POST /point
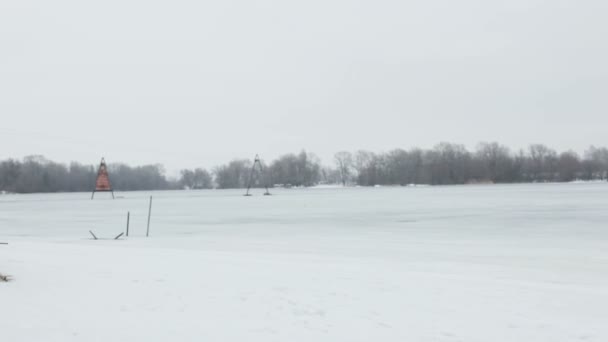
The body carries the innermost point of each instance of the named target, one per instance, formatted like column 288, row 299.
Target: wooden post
column 128, row 219
column 149, row 214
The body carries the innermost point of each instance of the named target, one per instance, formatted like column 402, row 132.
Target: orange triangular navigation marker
column 102, row 184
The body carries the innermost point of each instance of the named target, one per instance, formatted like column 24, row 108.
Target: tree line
column 446, row 163
column 38, row 174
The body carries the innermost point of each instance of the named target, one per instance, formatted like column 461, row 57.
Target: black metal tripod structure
column 261, row 167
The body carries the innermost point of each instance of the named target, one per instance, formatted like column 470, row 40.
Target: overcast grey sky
column 197, row 83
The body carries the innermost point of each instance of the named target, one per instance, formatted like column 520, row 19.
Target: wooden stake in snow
column 149, row 214
column 128, row 219
column 3, row 277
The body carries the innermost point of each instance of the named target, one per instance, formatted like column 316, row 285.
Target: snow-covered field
column 460, row 263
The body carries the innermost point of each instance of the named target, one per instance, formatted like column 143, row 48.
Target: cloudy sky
column 196, row 83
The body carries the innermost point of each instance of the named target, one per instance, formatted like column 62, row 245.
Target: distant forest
column 446, row 163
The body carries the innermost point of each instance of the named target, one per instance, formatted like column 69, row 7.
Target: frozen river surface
column 458, row 263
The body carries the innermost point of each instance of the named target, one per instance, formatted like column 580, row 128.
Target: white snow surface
column 456, row 263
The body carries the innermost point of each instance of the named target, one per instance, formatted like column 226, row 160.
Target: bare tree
column 568, row 166
column 450, row 164
column 187, row 179
column 233, row 175
column 597, row 162
column 495, row 161
column 303, row 169
column 202, row 179
column 542, row 162
column 344, row 164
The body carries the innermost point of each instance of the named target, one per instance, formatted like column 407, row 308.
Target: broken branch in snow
column 5, row 278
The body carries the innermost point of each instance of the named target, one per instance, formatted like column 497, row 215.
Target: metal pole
column 264, row 179
column 251, row 176
column 128, row 219
column 149, row 214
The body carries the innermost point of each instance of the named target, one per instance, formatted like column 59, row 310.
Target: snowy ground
column 462, row 263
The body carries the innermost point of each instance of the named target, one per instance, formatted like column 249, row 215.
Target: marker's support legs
column 261, row 167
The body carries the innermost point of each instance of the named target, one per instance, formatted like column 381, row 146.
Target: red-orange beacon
column 102, row 184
